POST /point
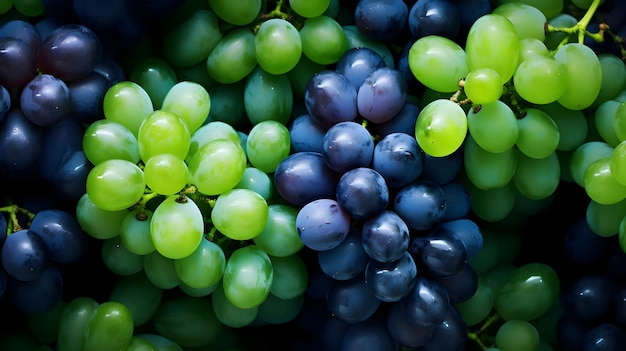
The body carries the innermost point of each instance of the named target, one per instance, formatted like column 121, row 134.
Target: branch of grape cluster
column 580, row 28
column 13, row 224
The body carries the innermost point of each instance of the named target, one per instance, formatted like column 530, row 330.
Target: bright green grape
column 190, row 101
column 233, row 58
column 166, row 174
column 280, row 236
column 238, row 13
column 275, row 310
column 585, row 155
column 607, row 122
column 475, row 309
column 604, row 220
column 488, row 170
column 483, row 86
column 536, row 178
column 528, row 20
column 72, row 322
column 323, row 40
column 600, row 184
column 135, row 231
column 98, row 223
column 115, row 185
column 438, row 62
column 177, row 227
column 217, row 166
column 538, row 134
column 572, row 125
column 163, row 132
column 309, row 8
column 268, row 97
column 139, row 295
column 258, row 181
column 517, row 335
column 208, row 132
column 160, row 270
column 532, row 47
column 582, row 65
column 156, row 76
column 268, row 144
column 248, row 277
column 229, row 314
column 278, row 46
column 204, row 267
column 549, row 8
column 540, row 79
column 492, row 42
column 528, row 293
column 618, row 111
column 493, row 126
column 290, row 277
column 105, row 139
column 617, row 163
column 613, row 78
column 191, row 41
column 441, row 127
column 109, row 328
column 118, row 259
column 233, row 205
column 128, row 104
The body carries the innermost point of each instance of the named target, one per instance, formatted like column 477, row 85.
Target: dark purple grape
column 582, row 246
column 70, row 52
column 5, row 102
column 20, row 145
column 362, row 192
column 60, row 141
column 391, row 281
column 399, row 159
column 381, row 20
column 382, row 95
column 368, row 335
column 421, row 204
column 23, row 255
column 22, row 29
column 442, row 170
column 458, row 201
column 385, row 237
column 403, row 330
column 70, row 182
column 470, row 11
column 347, row 260
column 330, row 98
column 460, row 285
column 427, row 303
column 468, row 232
column 347, row 145
column 434, row 17
column 110, row 69
column 605, row 337
column 61, row 234
column 589, row 299
column 306, row 134
column 403, row 122
column 87, row 96
column 18, row 62
column 450, row 334
column 351, row 300
column 322, row 224
column 440, row 253
column 39, row 295
column 45, row 100
column 358, row 63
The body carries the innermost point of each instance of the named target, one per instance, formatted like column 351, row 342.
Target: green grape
column 600, row 184
column 617, row 163
column 323, row 40
column 30, row 8
column 357, row 39
column 528, row 293
column 115, row 185
column 135, row 231
column 217, row 166
column 208, row 132
column 45, row 325
column 280, row 236
column 488, row 170
column 476, row 309
column 163, row 132
column 105, row 139
column 622, row 234
column 538, row 134
column 98, row 223
column 227, row 105
column 572, row 125
column 492, row 205
column 585, row 155
column 189, row 322
column 550, row 8
column 537, row 178
column 275, row 310
column 540, row 79
column 229, row 314
column 290, row 277
column 528, row 20
column 72, row 323
column 604, row 220
column 530, row 48
column 278, row 46
column 492, row 42
column 161, row 342
column 438, row 62
column 562, row 20
column 156, row 76
column 483, row 86
column 268, row 144
column 190, row 101
column 441, row 127
column 617, row 110
column 613, row 78
column 238, row 13
column 177, row 227
column 166, row 174
column 248, row 277
column 204, row 267
column 109, row 328
column 160, row 270
column 233, row 205
column 194, row 292
column 5, row 6
column 258, row 181
column 268, row 97
column 517, row 335
column 140, row 344
column 581, row 65
column 309, row 8
column 233, row 58
column 493, row 126
column 139, row 295
column 118, row 259
column 128, row 104
column 191, row 41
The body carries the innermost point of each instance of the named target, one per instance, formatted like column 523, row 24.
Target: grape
column 258, row 181
column 600, row 184
column 238, row 46
column 330, row 98
column 242, row 13
column 139, row 295
column 135, row 231
column 391, row 281
column 493, row 126
column 382, row 95
column 202, row 268
column 166, row 174
column 267, row 96
column 176, row 227
column 538, row 134
column 161, row 270
column 362, row 192
column 248, row 277
column 19, row 62
column 189, row 101
column 118, row 259
column 190, row 42
column 127, row 103
column 347, row 260
column 488, row 170
column 434, row 17
column 441, row 128
column 381, row 20
column 385, row 237
column 517, row 334
column 424, row 195
column 229, row 314
column 61, row 234
column 574, row 57
column 358, row 63
column 115, row 184
column 351, row 300
column 240, row 203
column 308, row 8
column 97, row 222
column 210, row 131
column 290, row 277
column 45, row 100
column 439, row 253
column 528, row 20
column 24, row 256
column 267, row 145
column 398, row 159
column 156, row 76
column 322, row 224
column 483, row 86
column 427, row 303
column 217, row 166
column 278, row 46
column 540, row 80
column 439, row 63
column 323, row 40
column 537, row 178
column 403, row 330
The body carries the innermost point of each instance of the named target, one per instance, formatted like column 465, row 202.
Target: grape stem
column 13, row 225
column 580, row 28
column 478, row 336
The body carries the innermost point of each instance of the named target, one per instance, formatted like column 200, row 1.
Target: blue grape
column 369, row 335
column 110, row 69
column 582, row 246
column 347, row 260
column 322, row 224
column 304, row 176
column 470, row 11
column 351, row 300
column 570, row 332
column 330, row 98
column 18, row 62
column 403, row 330
column 21, row 29
column 439, row 253
column 427, row 303
column 70, row 182
column 5, row 102
column 399, row 159
column 45, row 100
column 420, row 204
column 39, row 295
column 62, row 236
column 434, row 17
column 450, row 334
column 305, row 134
column 403, row 122
column 60, row 141
column 589, row 298
column 391, row 281
column 362, row 192
column 23, row 255
column 461, row 285
column 332, row 332
column 382, row 95
column 468, row 232
column 357, row 63
column 381, row 20
column 442, row 170
column 458, row 201
column 86, row 97
column 603, row 337
column 619, row 303
column 347, row 145
column 385, row 237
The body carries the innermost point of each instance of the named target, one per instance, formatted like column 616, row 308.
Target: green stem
column 13, row 225
column 580, row 28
